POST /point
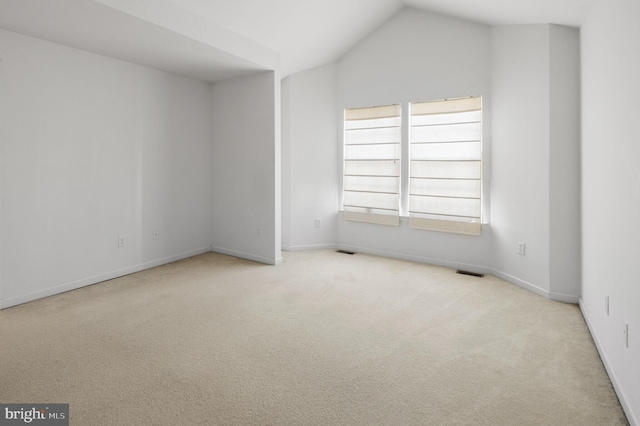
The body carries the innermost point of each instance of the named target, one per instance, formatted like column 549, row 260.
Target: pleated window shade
column 371, row 180
column 446, row 165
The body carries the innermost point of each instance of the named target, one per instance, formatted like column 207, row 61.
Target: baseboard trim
column 62, row 288
column 521, row 283
column 247, row 256
column 311, row 247
column 419, row 259
column 564, row 298
column 631, row 417
column 559, row 297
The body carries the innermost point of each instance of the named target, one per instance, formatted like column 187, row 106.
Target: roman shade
column 446, row 165
column 371, row 177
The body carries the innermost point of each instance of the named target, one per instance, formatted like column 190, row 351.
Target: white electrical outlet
column 156, row 235
column 122, row 241
column 258, row 232
column 317, row 223
column 626, row 335
column 521, row 248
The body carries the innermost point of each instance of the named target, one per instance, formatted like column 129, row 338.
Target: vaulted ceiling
column 216, row 39
column 311, row 32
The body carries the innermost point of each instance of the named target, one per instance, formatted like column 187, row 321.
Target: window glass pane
column 372, row 164
column 368, row 199
column 372, row 136
column 447, row 151
column 446, row 165
column 443, row 187
column 458, row 117
column 446, row 133
column 446, row 206
column 372, row 152
column 446, row 169
column 372, row 168
column 371, row 184
column 372, row 123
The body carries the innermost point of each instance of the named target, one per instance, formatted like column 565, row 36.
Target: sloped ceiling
column 216, row 39
column 165, row 37
column 509, row 12
column 308, row 33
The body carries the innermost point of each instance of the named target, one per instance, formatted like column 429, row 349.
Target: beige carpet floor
column 323, row 339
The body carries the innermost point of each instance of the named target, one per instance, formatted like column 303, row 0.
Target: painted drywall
column 535, row 158
column 160, row 35
column 611, row 190
column 564, row 163
column 529, row 78
column 285, row 154
column 179, row 20
column 419, row 56
column 93, row 148
column 520, row 155
column 246, row 217
column 310, row 160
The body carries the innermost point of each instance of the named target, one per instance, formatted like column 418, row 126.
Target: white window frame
column 420, row 183
column 445, row 170
column 372, row 156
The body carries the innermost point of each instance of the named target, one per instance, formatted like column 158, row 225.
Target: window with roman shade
column 371, row 177
column 445, row 174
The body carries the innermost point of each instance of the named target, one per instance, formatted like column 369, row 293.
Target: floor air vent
column 473, row 274
column 345, row 252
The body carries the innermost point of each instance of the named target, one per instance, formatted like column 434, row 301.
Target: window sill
column 405, row 219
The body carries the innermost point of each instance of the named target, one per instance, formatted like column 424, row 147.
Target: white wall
column 285, row 153
column 529, row 79
column 564, row 163
column 246, row 167
column 418, row 56
column 92, row 148
column 611, row 190
column 520, row 154
column 535, row 168
column 310, row 159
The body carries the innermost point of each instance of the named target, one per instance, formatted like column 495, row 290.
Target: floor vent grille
column 473, row 274
column 345, row 252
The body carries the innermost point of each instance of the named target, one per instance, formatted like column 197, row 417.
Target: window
column 371, row 181
column 445, row 165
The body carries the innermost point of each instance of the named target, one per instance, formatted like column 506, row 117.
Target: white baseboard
column 631, row 417
column 521, row 283
column 565, row 298
column 247, row 256
column 311, row 247
column 419, row 259
column 559, row 297
column 61, row 288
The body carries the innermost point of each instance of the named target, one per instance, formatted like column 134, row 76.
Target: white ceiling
column 509, row 12
column 216, row 39
column 162, row 38
column 308, row 33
